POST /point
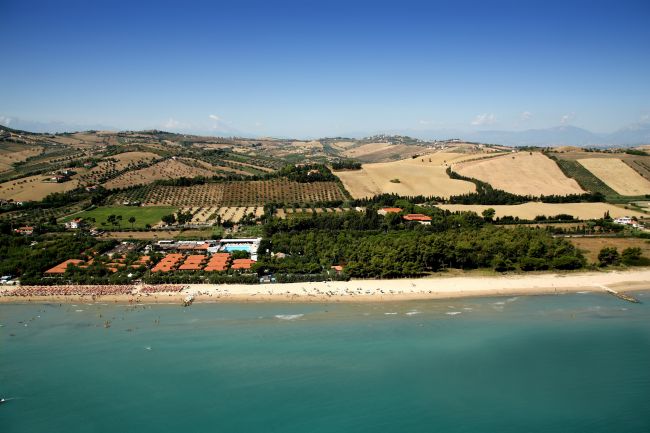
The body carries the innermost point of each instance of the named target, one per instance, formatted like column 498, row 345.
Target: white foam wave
column 412, row 313
column 453, row 313
column 288, row 316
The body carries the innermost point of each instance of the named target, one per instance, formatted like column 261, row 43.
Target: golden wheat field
column 424, row 175
column 524, row 173
column 530, row 210
column 617, row 175
column 33, row 188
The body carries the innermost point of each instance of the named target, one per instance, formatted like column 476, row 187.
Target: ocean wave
column 453, row 313
column 390, row 314
column 288, row 316
column 412, row 313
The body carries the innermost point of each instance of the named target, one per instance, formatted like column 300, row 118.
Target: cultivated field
column 241, row 193
column 168, row 169
column 143, row 215
column 209, row 215
column 530, row 210
column 524, row 173
column 592, row 246
column 375, row 152
column 424, row 175
column 111, row 166
column 33, row 188
column 617, row 175
column 11, row 153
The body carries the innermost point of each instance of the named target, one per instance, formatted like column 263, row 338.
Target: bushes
column 609, row 256
column 346, row 165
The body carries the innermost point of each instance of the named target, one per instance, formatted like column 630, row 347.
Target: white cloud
column 645, row 118
column 484, row 119
column 215, row 117
column 567, row 118
column 5, row 120
column 172, row 124
column 525, row 115
column 424, row 122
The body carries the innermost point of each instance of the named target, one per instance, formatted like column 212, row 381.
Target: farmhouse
column 626, row 220
column 74, row 224
column 26, row 230
column 387, row 210
column 422, row 219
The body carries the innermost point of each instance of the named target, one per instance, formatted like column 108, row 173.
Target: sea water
column 570, row 363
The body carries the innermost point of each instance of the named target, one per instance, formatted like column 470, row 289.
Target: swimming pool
column 230, row 248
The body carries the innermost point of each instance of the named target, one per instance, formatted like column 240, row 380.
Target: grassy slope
column 143, row 215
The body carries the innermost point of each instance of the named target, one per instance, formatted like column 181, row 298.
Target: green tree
column 169, row 219
column 488, row 214
column 132, row 220
column 631, row 255
column 609, row 256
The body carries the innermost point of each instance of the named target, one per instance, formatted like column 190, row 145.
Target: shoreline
column 436, row 287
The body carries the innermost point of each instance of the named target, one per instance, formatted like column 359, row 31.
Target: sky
column 326, row 68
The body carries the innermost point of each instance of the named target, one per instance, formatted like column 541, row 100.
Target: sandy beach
column 437, row 287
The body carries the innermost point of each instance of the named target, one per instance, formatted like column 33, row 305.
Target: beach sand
column 436, row 287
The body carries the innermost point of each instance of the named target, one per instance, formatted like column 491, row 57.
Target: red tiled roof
column 242, row 264
column 190, row 267
column 391, row 209
column 417, row 217
column 61, row 267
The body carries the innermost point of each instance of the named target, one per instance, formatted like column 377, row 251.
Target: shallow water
column 570, row 363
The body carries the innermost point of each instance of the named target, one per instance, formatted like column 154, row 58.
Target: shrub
column 609, row 256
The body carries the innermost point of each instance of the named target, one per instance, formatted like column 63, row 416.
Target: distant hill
column 565, row 135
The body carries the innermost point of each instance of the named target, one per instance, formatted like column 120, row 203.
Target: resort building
column 61, row 267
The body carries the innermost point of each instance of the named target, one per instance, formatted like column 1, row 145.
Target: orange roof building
column 242, row 264
column 193, row 263
column 168, row 263
column 218, row 262
column 387, row 210
column 61, row 267
column 422, row 219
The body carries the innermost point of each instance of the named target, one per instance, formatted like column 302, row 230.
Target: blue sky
column 316, row 68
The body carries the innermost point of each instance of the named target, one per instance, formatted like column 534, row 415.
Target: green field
column 143, row 215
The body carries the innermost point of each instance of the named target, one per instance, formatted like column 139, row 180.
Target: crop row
column 240, row 193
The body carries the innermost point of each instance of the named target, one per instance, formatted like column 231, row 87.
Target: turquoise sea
column 571, row 363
